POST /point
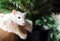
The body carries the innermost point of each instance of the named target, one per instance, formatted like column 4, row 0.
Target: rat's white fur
column 14, row 18
column 6, row 20
column 6, row 27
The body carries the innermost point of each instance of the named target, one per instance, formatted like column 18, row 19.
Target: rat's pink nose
column 23, row 23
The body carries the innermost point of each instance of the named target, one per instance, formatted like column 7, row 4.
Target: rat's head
column 19, row 17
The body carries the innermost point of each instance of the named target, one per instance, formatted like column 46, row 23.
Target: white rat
column 16, row 17
column 10, row 22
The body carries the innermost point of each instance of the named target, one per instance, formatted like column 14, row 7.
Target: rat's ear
column 24, row 14
column 14, row 12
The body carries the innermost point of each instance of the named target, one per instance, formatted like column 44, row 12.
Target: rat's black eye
column 19, row 17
